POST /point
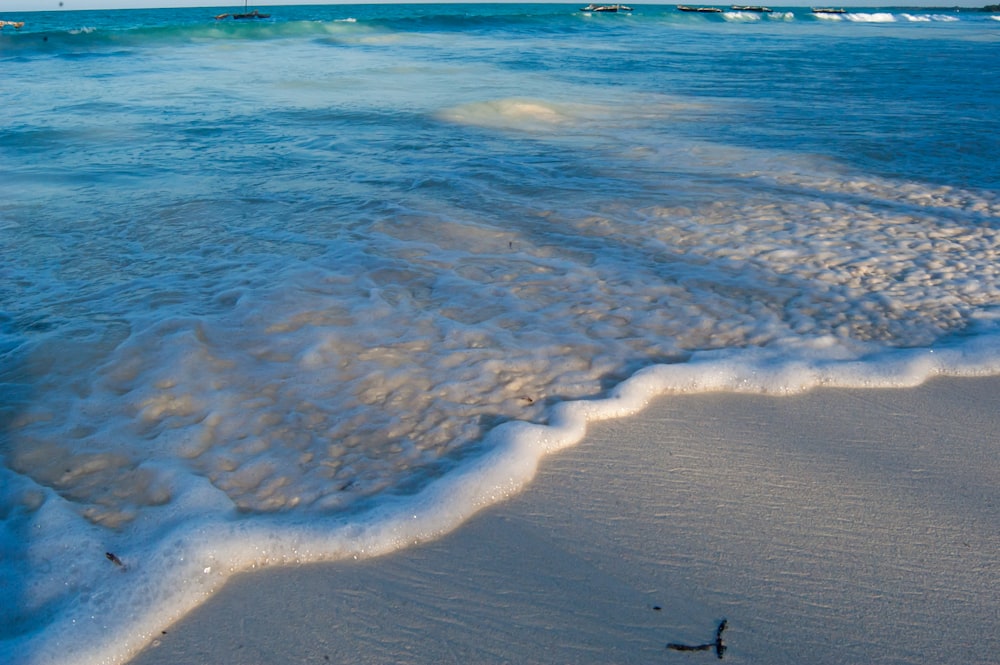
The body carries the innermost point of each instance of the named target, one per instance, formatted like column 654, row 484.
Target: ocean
column 325, row 284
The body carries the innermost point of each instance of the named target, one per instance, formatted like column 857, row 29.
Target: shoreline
column 834, row 526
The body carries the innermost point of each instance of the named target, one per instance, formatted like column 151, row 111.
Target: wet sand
column 836, row 526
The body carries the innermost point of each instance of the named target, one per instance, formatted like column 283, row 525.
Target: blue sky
column 42, row 5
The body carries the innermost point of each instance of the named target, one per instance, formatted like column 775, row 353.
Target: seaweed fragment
column 717, row 645
column 114, row 559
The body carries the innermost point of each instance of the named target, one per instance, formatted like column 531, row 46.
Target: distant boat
column 253, row 14
column 750, row 8
column 606, row 8
column 828, row 10
column 245, row 15
column 702, row 10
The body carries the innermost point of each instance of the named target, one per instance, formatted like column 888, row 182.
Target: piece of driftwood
column 717, row 645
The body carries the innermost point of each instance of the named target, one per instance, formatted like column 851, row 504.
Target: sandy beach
column 836, row 526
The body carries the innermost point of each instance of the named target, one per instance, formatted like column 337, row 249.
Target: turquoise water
column 306, row 287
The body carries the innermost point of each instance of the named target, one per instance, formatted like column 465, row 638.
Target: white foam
column 877, row 17
column 741, row 17
column 928, row 18
column 115, row 610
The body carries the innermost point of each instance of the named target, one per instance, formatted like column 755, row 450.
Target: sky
column 7, row 6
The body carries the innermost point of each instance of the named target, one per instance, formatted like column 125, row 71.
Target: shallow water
column 270, row 289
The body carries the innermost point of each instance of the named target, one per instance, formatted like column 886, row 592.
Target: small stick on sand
column 719, row 647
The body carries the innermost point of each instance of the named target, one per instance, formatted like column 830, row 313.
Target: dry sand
column 838, row 526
